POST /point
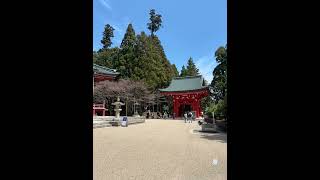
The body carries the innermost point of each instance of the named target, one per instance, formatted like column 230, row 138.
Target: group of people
column 151, row 115
column 188, row 117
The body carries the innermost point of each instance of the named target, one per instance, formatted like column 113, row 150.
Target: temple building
column 101, row 73
column 186, row 93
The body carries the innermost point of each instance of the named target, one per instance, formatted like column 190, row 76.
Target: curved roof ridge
column 104, row 70
column 188, row 83
column 188, row 77
column 103, row 67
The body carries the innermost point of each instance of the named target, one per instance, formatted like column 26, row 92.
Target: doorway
column 184, row 108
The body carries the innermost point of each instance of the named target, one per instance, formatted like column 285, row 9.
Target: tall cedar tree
column 140, row 57
column 152, row 65
column 127, row 56
column 107, row 35
column 142, row 50
column 192, row 70
column 155, row 21
column 166, row 68
column 183, row 72
column 106, row 57
column 219, row 81
column 175, row 70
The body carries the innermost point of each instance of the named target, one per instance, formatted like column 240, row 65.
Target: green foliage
column 107, row 35
column 127, row 55
column 219, row 82
column 106, row 57
column 219, row 85
column 155, row 21
column 183, row 72
column 152, row 66
column 175, row 70
column 191, row 69
column 205, row 102
column 211, row 108
column 219, row 109
column 139, row 57
column 129, row 40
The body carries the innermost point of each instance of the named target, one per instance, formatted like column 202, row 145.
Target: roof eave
column 184, row 91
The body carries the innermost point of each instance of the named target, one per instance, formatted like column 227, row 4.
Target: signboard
column 124, row 122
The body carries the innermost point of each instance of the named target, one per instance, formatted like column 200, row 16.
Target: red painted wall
column 192, row 98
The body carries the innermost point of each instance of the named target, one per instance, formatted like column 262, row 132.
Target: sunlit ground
column 158, row 149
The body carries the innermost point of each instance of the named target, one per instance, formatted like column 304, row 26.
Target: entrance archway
column 184, row 108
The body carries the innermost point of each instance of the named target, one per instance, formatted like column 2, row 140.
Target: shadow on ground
column 220, row 137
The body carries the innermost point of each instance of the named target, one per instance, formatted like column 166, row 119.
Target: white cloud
column 117, row 28
column 106, row 4
column 206, row 64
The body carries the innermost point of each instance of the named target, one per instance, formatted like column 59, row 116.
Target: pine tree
column 155, row 21
column 106, row 57
column 142, row 57
column 175, row 71
column 166, row 71
column 127, row 55
column 183, row 72
column 219, row 81
column 152, row 64
column 192, row 70
column 107, row 35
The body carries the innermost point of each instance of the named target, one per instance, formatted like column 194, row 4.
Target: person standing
column 190, row 117
column 185, row 117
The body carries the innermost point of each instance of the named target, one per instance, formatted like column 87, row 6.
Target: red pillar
column 200, row 109
column 176, row 108
column 195, row 108
column 195, row 105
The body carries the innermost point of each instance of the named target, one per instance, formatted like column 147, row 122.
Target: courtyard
column 159, row 149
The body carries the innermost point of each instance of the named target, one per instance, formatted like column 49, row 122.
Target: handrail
column 98, row 105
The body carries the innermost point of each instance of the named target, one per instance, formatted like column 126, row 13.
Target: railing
column 98, row 105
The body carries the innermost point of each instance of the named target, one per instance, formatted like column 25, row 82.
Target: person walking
column 190, row 117
column 185, row 117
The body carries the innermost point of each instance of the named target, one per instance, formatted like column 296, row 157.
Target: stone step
column 101, row 125
column 107, row 122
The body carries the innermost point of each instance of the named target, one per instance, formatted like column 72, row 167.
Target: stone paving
column 158, row 149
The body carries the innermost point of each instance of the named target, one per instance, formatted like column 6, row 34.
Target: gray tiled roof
column 104, row 70
column 188, row 83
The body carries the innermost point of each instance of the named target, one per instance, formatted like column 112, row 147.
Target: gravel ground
column 158, row 149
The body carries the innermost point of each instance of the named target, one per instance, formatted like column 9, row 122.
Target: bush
column 211, row 108
column 219, row 109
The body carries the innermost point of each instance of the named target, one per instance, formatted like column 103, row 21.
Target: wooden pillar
column 200, row 110
column 176, row 108
column 174, row 104
column 195, row 106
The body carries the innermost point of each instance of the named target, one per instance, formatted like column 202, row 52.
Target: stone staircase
column 101, row 121
column 101, row 124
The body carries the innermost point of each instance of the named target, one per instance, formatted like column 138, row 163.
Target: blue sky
column 190, row 28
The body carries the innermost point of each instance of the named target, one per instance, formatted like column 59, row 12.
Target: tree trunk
column 126, row 106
